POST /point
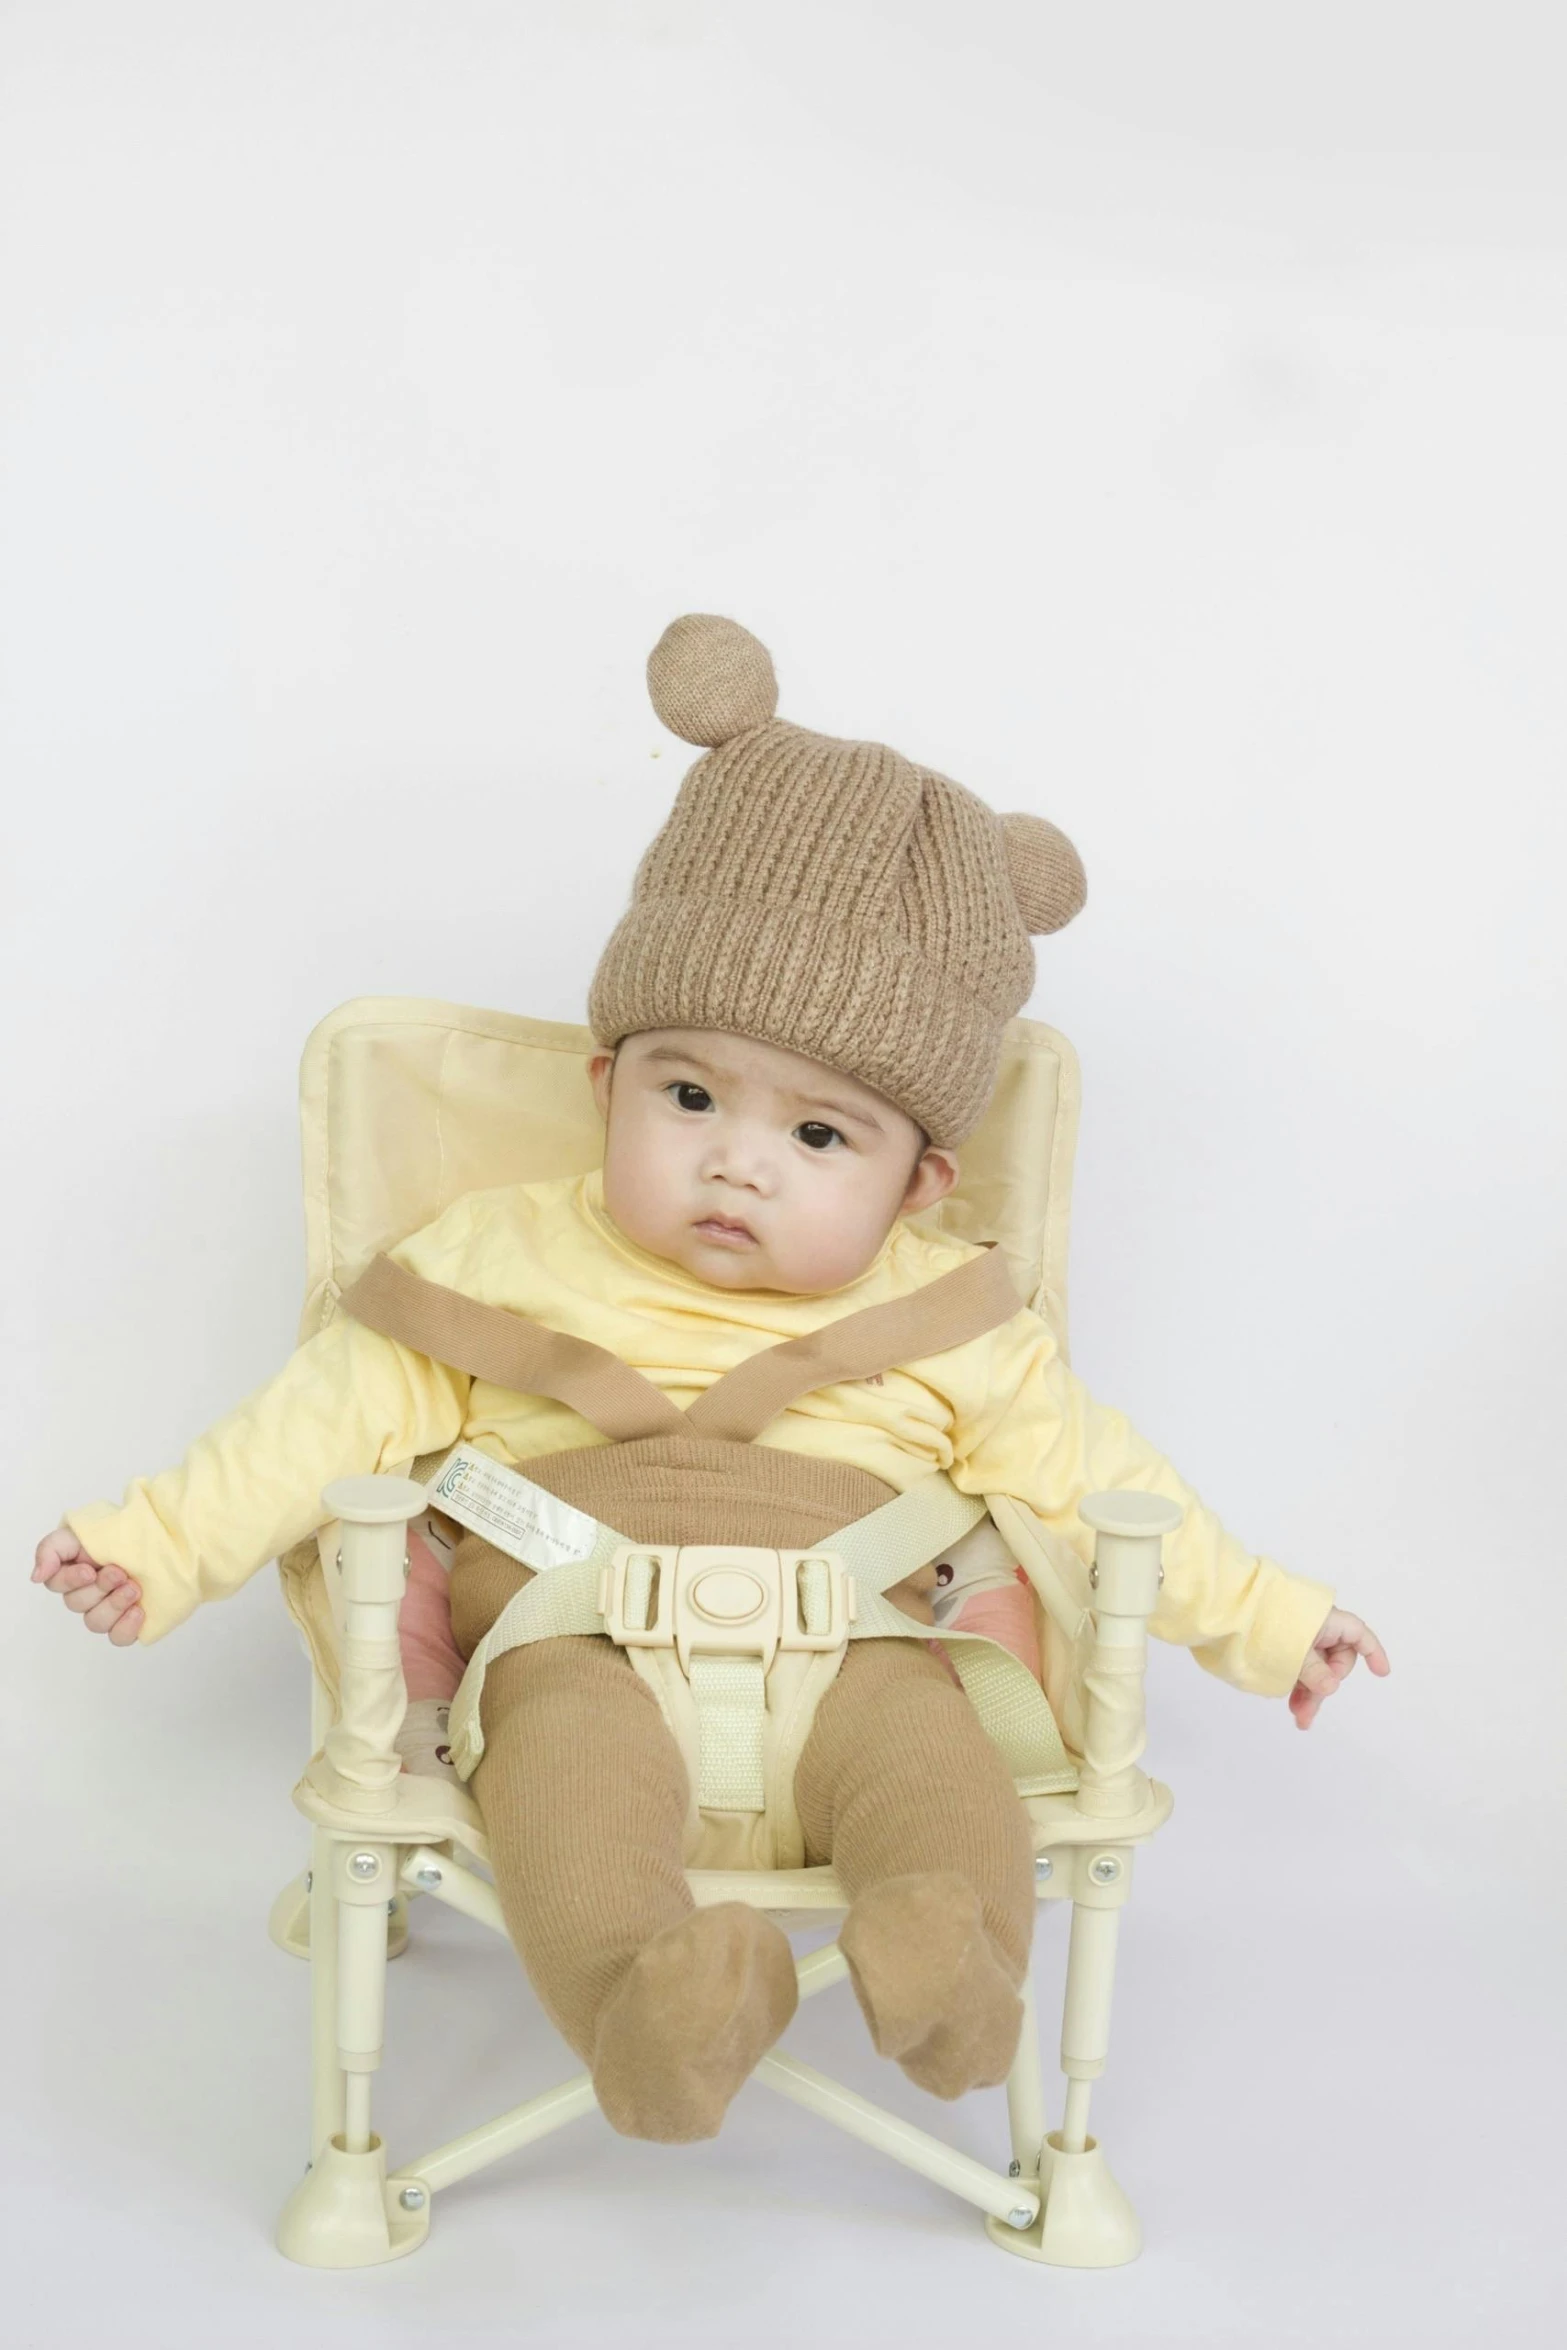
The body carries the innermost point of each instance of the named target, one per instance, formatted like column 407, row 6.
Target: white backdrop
column 1150, row 416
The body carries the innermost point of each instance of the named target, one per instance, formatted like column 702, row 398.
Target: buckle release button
column 728, row 1595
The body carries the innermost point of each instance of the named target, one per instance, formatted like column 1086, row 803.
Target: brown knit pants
column 584, row 1793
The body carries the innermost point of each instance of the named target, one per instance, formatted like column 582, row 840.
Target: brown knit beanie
column 828, row 896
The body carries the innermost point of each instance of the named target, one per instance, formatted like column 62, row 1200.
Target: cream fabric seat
column 406, row 1105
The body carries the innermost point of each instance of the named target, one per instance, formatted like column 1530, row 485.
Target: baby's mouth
column 726, row 1232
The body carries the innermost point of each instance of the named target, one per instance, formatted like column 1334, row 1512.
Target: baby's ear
column 599, row 1069
column 1046, row 872
column 935, row 1174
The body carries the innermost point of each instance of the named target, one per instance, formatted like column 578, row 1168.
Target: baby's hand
column 1332, row 1654
column 104, row 1596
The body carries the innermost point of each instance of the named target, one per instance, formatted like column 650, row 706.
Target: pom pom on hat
column 710, row 680
column 1046, row 873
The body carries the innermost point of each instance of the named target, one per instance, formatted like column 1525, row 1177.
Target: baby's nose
column 741, row 1160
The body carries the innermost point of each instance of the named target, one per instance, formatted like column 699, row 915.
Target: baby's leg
column 584, row 1794
column 902, row 1791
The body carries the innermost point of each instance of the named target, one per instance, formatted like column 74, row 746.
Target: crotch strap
column 513, row 1352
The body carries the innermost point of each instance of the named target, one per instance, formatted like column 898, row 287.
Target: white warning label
column 509, row 1510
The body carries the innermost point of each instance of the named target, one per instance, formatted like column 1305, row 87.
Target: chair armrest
column 1129, row 1529
column 359, row 1750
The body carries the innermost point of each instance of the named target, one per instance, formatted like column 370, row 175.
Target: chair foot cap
column 345, row 2214
column 1084, row 2219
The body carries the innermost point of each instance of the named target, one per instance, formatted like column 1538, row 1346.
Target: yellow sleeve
column 1039, row 1435
column 347, row 1403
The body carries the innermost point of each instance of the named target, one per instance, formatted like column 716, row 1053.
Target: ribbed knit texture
column 946, row 1804
column 710, row 1489
column 901, row 1789
column 686, row 1489
column 584, row 1795
column 828, row 896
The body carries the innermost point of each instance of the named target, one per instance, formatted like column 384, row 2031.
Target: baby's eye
column 689, row 1097
column 817, row 1135
column 943, row 1576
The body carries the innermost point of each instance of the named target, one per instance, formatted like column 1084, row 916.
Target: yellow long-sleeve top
column 1001, row 1414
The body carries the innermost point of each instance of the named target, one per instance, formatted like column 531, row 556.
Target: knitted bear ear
column 710, row 679
column 1046, row 872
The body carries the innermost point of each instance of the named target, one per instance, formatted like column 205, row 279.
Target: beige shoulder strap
column 963, row 1304
column 511, row 1351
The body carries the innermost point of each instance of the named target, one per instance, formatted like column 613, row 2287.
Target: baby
column 800, row 1018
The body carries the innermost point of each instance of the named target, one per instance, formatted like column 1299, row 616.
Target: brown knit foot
column 699, row 2006
column 926, row 1975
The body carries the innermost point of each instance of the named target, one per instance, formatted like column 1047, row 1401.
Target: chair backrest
column 407, row 1103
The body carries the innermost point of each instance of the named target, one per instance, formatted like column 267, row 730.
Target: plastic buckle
column 649, row 1573
column 841, row 1609
column 721, row 1599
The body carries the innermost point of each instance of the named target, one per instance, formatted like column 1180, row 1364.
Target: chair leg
column 288, row 1922
column 326, row 2079
column 1025, row 2093
column 342, row 2214
column 1085, row 2221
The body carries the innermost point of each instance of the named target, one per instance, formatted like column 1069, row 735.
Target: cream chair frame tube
column 344, row 2213
column 1085, row 2220
column 1055, row 2203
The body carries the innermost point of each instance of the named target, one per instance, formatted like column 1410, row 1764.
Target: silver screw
column 310, row 1879
column 1021, row 2218
column 1044, row 1866
column 1105, row 1869
column 412, row 2199
column 1014, row 2168
column 364, row 1865
column 428, row 1877
column 391, row 1907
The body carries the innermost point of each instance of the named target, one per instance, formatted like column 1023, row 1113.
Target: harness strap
column 919, row 1525
column 879, row 1550
column 730, row 1696
column 1013, row 1710
column 916, row 1526
column 957, row 1306
column 511, row 1351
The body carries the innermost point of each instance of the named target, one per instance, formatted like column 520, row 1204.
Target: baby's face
column 752, row 1167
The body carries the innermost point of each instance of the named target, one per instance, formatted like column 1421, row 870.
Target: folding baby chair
column 407, row 1105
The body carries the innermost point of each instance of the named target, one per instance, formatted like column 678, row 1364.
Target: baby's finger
column 108, row 1612
column 123, row 1634
column 1332, row 1665
column 53, row 1552
column 1354, row 1632
column 74, row 1575
column 89, row 1594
